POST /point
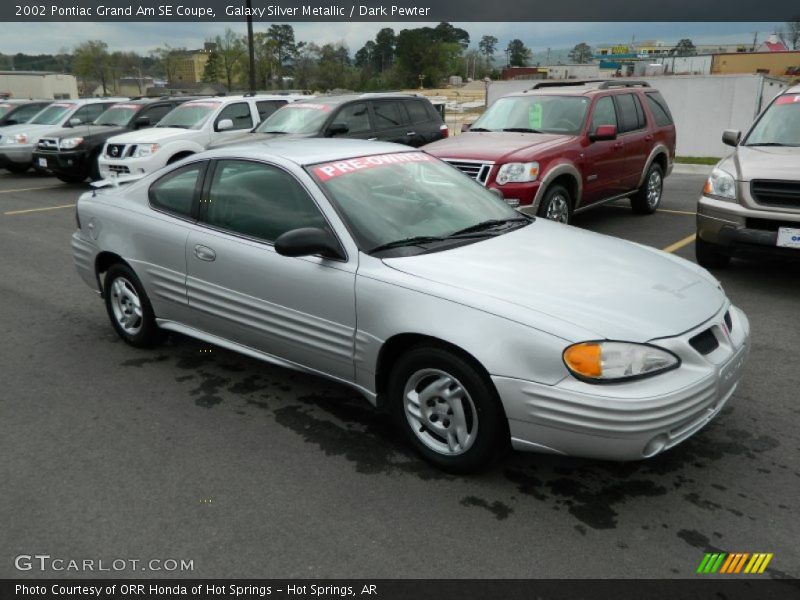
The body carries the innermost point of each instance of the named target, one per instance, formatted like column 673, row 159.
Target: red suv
column 563, row 147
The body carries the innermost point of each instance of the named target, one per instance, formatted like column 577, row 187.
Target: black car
column 71, row 154
column 13, row 112
column 401, row 118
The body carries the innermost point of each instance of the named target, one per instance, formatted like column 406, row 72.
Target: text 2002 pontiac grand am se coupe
column 388, row 270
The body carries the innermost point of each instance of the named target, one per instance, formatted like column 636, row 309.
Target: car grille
column 705, row 342
column 119, row 169
column 47, row 145
column 478, row 170
column 776, row 193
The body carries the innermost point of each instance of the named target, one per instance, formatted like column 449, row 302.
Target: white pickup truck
column 187, row 129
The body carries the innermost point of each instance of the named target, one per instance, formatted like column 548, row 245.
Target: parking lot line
column 661, row 210
column 33, row 189
column 680, row 243
column 30, row 210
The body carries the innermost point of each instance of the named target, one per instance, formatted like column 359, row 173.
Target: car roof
column 239, row 98
column 307, row 151
column 144, row 100
column 342, row 98
column 21, row 101
column 590, row 87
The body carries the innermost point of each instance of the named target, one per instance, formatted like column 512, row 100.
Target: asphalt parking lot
column 193, row 452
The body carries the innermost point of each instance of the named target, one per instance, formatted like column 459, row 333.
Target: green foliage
column 581, row 53
column 518, row 54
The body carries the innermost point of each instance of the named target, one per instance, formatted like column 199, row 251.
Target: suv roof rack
column 610, row 83
column 562, row 83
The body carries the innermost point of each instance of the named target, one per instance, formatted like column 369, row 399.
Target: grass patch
column 697, row 160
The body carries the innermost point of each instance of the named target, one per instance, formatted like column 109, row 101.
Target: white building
column 38, row 84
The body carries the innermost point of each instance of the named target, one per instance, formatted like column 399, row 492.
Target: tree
column 166, row 58
column 231, row 50
column 92, row 61
column 581, row 53
column 283, row 45
column 385, row 46
column 488, row 45
column 212, row 68
column 684, row 47
column 790, row 34
column 422, row 52
column 447, row 34
column 518, row 54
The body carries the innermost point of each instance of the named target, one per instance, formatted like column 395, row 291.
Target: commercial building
column 776, row 64
column 37, row 84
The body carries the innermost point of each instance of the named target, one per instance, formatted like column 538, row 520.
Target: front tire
column 71, row 178
column 648, row 198
column 447, row 409
column 129, row 308
column 556, row 205
column 708, row 255
column 17, row 169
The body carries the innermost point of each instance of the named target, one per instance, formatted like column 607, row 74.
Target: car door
column 297, row 309
column 391, row 122
column 634, row 135
column 356, row 117
column 604, row 160
column 241, row 116
column 153, row 114
column 423, row 129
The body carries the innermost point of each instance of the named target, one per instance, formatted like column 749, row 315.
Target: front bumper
column 84, row 255
column 66, row 163
column 15, row 155
column 519, row 195
column 634, row 420
column 739, row 229
column 115, row 167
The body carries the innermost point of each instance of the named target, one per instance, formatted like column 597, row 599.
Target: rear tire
column 129, row 308
column 447, row 409
column 556, row 205
column 648, row 198
column 17, row 169
column 709, row 256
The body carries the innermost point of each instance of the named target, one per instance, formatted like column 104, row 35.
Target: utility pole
column 250, row 49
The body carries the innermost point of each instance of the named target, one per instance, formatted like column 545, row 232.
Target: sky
column 143, row 37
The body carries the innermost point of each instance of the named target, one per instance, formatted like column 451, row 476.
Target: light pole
column 250, row 49
column 486, row 82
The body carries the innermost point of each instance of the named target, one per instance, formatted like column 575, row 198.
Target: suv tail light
column 444, row 129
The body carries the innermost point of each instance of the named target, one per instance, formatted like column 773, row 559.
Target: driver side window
column 604, row 113
column 355, row 116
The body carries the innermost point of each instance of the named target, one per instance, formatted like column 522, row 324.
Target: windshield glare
column 390, row 197
column 296, row 118
column 780, row 125
column 191, row 115
column 548, row 114
column 119, row 114
column 52, row 114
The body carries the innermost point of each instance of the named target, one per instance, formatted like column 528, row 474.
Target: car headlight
column 70, row 143
column 610, row 362
column 20, row 138
column 721, row 184
column 517, row 173
column 143, row 150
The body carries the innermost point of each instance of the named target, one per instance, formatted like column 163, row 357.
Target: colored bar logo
column 734, row 563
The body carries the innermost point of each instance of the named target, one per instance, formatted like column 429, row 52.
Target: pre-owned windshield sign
column 343, row 167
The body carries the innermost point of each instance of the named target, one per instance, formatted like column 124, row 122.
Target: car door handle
column 617, row 145
column 205, row 253
column 411, row 133
column 371, row 139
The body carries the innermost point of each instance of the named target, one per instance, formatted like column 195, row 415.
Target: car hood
column 86, row 131
column 764, row 162
column 34, row 131
column 497, row 146
column 611, row 287
column 153, row 135
column 250, row 136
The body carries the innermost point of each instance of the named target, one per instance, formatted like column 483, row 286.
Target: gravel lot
column 192, row 452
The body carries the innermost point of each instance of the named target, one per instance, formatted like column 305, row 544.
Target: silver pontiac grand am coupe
column 385, row 269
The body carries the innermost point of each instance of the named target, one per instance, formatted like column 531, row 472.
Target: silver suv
column 751, row 201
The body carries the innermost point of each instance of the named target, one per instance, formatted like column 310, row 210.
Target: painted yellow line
column 50, row 187
column 680, row 243
column 661, row 210
column 764, row 564
column 31, row 210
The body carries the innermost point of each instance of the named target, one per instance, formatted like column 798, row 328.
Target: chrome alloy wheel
column 558, row 209
column 440, row 412
column 126, row 306
column 654, row 187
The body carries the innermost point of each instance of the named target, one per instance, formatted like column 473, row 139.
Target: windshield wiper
column 522, row 130
column 175, row 126
column 478, row 129
column 282, row 132
column 411, row 241
column 770, row 144
column 484, row 225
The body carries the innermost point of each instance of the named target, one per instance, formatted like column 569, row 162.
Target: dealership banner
column 287, row 11
column 406, row 589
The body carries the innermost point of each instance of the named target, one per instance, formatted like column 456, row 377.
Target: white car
column 186, row 130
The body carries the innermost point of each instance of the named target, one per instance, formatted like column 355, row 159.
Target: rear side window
column 417, row 111
column 604, row 113
column 355, row 116
column 267, row 107
column 388, row 115
column 174, row 193
column 239, row 113
column 659, row 109
column 631, row 117
column 23, row 113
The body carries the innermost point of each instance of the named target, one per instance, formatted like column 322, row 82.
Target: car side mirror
column 141, row 122
column 337, row 129
column 75, row 121
column 308, row 241
column 465, row 127
column 224, row 125
column 604, row 133
column 731, row 137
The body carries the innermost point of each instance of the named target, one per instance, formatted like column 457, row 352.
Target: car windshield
column 4, row 108
column 780, row 124
column 535, row 113
column 52, row 114
column 191, row 115
column 119, row 114
column 305, row 117
column 409, row 197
